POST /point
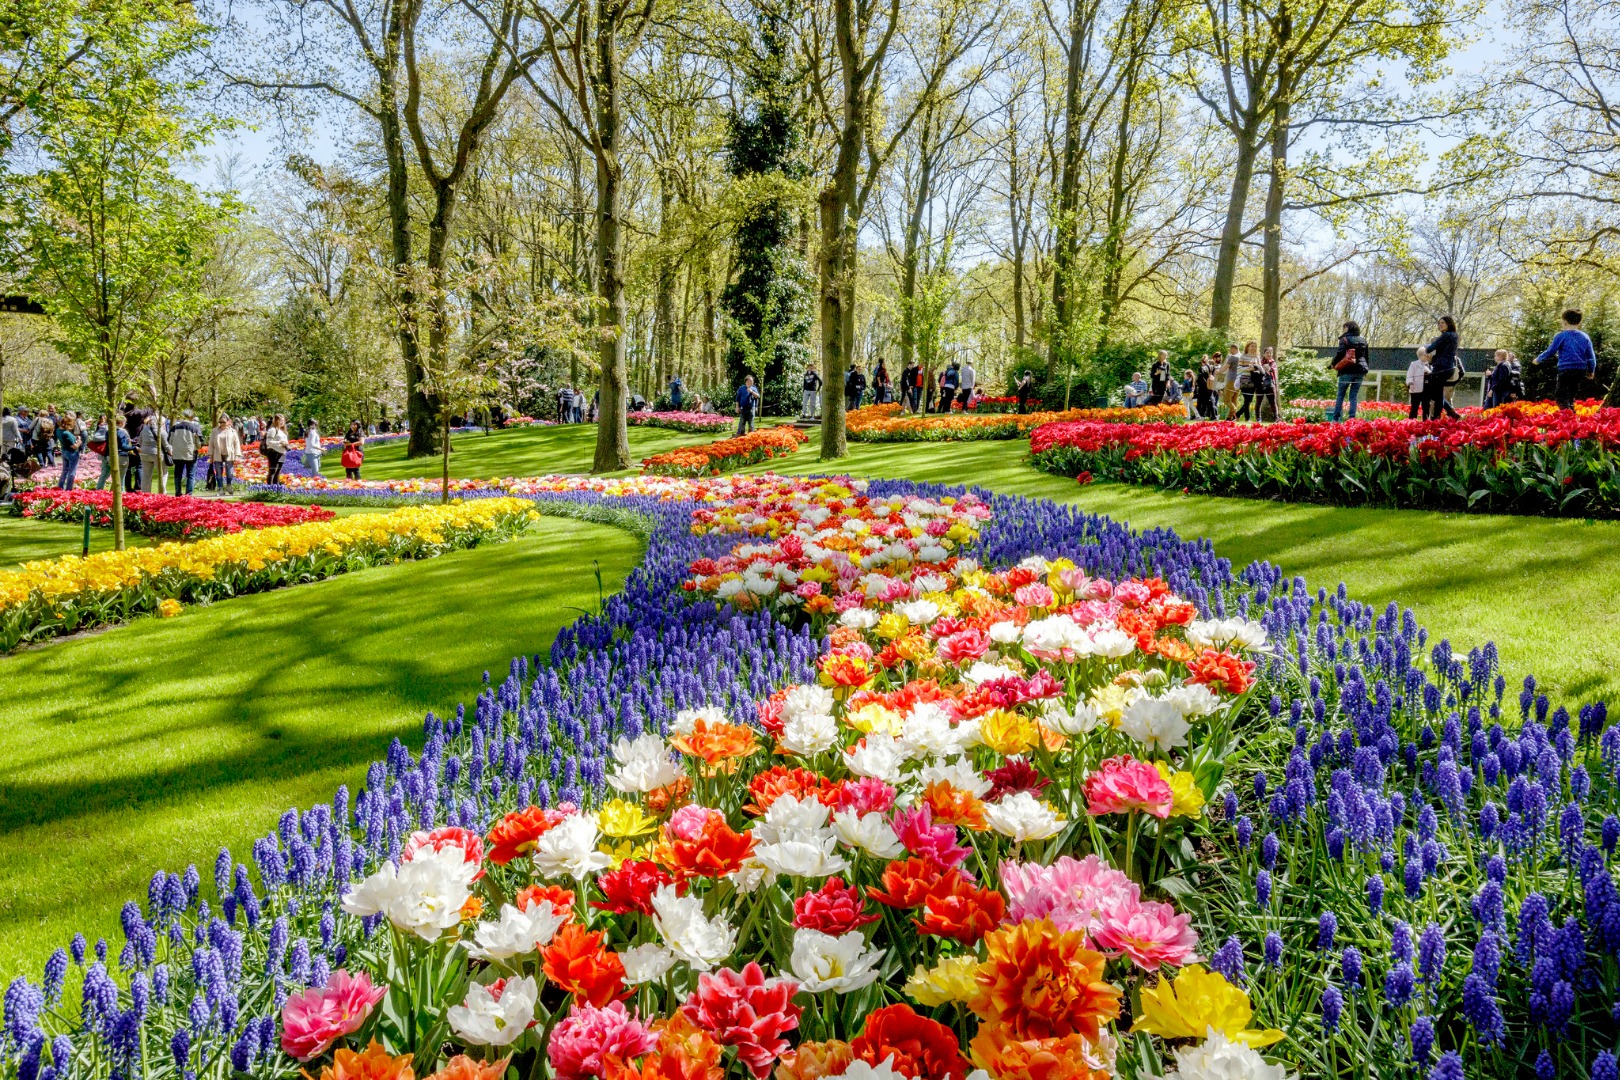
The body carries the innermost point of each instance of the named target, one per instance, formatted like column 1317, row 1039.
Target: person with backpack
column 1350, row 361
column 948, row 383
column 810, row 407
column 1577, row 361
column 185, row 440
column 1444, row 371
column 911, row 384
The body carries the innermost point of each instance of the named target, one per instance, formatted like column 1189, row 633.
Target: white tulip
column 839, row 963
column 495, row 1015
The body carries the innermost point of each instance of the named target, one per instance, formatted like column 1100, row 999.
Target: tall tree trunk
column 1015, row 215
column 114, row 465
column 1114, row 243
column 1226, row 256
column 1271, row 274
column 612, row 432
column 664, row 305
column 420, row 407
column 830, row 267
column 1067, row 240
column 711, row 351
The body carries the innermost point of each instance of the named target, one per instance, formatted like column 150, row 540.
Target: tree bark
column 664, row 303
column 830, row 265
column 612, row 430
column 1066, row 246
column 1226, row 256
column 1271, row 272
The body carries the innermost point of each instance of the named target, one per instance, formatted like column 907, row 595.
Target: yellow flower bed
column 58, row 596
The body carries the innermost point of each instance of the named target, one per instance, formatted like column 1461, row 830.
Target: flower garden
column 1508, row 460
column 886, row 423
column 879, row 779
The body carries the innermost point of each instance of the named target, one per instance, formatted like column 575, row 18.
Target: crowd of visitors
column 155, row 451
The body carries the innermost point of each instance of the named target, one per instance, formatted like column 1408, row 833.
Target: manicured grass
column 525, row 451
column 151, row 745
column 24, row 539
column 1547, row 591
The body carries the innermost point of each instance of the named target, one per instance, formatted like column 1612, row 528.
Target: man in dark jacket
column 854, row 388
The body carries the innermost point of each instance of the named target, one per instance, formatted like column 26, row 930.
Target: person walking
column 854, row 388
column 1230, row 371
column 353, row 454
column 45, row 435
column 120, row 439
column 948, row 382
column 1577, row 361
column 312, row 447
column 70, row 441
column 882, row 385
column 1205, row 376
column 911, row 383
column 134, row 421
column 1417, row 373
column 185, row 439
column 1270, row 387
column 967, row 383
column 677, row 393
column 1441, row 353
column 225, row 450
column 11, row 438
column 1350, row 362
column 1159, row 378
column 810, row 407
column 1024, row 390
column 152, row 448
column 747, row 405
column 273, row 444
column 1248, row 366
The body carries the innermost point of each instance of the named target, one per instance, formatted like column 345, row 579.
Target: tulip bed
column 1510, row 460
column 884, row 780
column 43, row 599
column 681, row 421
column 173, row 516
column 885, row 423
column 724, row 455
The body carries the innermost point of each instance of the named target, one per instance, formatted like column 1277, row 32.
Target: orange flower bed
column 712, row 459
column 884, row 423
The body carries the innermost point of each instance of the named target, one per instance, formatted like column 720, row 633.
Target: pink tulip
column 320, row 1016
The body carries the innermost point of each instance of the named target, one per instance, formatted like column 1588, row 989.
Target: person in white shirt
column 312, row 448
column 1416, row 371
column 969, row 378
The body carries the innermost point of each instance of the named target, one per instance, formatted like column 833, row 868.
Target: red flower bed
column 1507, row 461
column 173, row 516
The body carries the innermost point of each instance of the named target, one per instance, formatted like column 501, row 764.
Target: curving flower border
column 1400, row 871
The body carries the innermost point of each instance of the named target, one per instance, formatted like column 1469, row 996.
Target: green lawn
column 151, row 744
column 24, row 539
column 525, row 451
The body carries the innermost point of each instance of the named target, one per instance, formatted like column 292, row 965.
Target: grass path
column 151, row 744
column 525, row 451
